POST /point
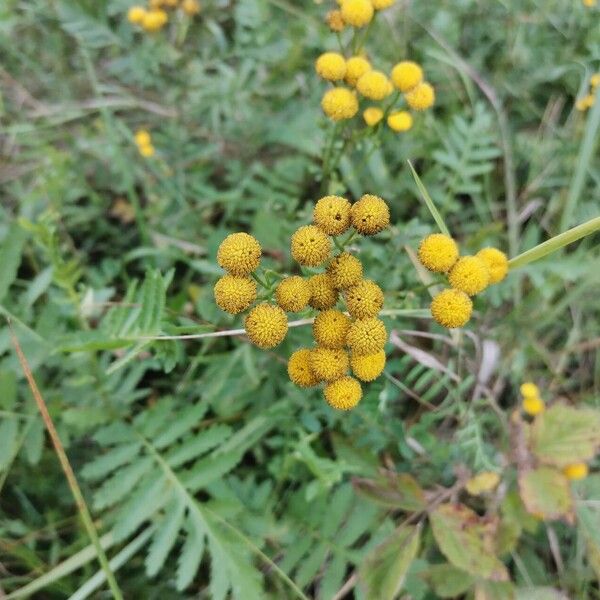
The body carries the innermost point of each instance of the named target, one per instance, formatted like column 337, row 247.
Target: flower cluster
column 355, row 13
column 155, row 16
column 343, row 341
column 467, row 275
column 589, row 99
column 143, row 141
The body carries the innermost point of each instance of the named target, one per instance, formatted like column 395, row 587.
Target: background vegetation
column 206, row 471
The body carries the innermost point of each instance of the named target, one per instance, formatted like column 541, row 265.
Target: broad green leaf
column 563, row 435
column 466, row 541
column 382, row 572
column 546, row 493
column 447, row 581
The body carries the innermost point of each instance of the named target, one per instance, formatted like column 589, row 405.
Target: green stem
column 555, row 243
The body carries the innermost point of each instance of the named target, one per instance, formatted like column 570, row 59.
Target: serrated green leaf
column 165, row 536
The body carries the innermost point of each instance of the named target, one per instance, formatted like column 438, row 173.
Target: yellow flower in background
column 590, row 3
column 292, row 294
column 366, row 336
column 239, row 254
column 364, row 300
column 332, row 215
column 329, row 363
column 144, row 143
column 368, row 367
column 310, row 246
column 345, row 270
column 529, row 390
column 266, row 325
column 533, row 405
column 335, row 20
column 372, row 115
column 330, row 328
column 589, row 100
column 407, row 75
column 370, row 215
column 581, row 105
column 374, row 85
column 356, row 67
column 147, row 151
column 496, row 261
column 595, row 80
column 382, row 4
column 339, row 104
column 470, row 275
column 154, row 20
column 576, row 471
column 438, row 252
column 331, row 66
column 451, row 308
column 322, row 293
column 400, row 121
column 191, row 7
column 136, row 14
column 421, row 97
column 357, row 13
column 344, row 393
column 299, row 370
column 234, row 294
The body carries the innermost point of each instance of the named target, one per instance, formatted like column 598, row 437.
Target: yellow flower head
column 154, row 20
column 595, row 80
column 142, row 138
column 470, row 274
column 367, row 336
column 322, row 293
column 368, row 367
column 331, row 66
column 533, row 405
column 136, row 14
column 191, row 7
column 407, row 75
column 335, row 20
column 239, row 254
column 438, row 252
column 234, row 294
column 589, row 100
column 365, row 299
column 370, row 215
column 382, row 4
column 529, row 390
column 372, row 115
column 310, row 246
column 576, row 471
column 331, row 328
column 451, row 308
column 356, row 67
column 357, row 13
column 332, row 215
column 421, row 97
column 496, row 261
column 293, row 294
column 299, row 369
column 590, row 3
column 374, row 85
column 400, row 121
column 339, row 104
column 343, row 394
column 345, row 270
column 581, row 104
column 328, row 363
column 266, row 325
column 146, row 151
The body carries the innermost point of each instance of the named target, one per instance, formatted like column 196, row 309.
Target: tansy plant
column 155, row 15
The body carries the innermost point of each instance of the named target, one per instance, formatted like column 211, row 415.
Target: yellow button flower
column 239, row 254
column 345, row 271
column 533, row 405
column 310, row 246
column 234, row 294
column 357, row 13
column 146, row 151
column 400, row 121
column 335, row 20
column 595, row 80
column 266, row 325
column 407, row 75
column 331, row 66
column 339, row 104
column 590, row 3
column 451, row 308
column 322, row 293
column 328, row 363
column 331, row 328
column 154, row 20
column 529, row 390
column 366, row 336
column 332, row 215
column 299, row 369
column 374, row 85
column 368, row 367
column 292, row 294
column 421, row 97
column 576, row 471
column 370, row 215
column 142, row 137
column 356, row 67
column 382, row 4
column 136, row 14
column 496, row 261
column 344, row 393
column 470, row 274
column 438, row 252
column 191, row 7
column 365, row 299
column 372, row 115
